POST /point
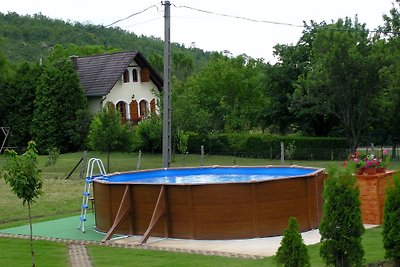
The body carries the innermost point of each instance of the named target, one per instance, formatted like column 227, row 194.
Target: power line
column 275, row 22
column 242, row 18
column 132, row 15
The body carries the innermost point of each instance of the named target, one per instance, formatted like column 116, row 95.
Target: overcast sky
column 207, row 30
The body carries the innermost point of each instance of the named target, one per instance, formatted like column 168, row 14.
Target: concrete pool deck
column 246, row 248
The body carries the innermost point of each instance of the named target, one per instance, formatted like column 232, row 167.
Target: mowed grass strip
column 111, row 256
column 16, row 252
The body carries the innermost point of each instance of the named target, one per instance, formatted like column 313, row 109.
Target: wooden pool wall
column 212, row 211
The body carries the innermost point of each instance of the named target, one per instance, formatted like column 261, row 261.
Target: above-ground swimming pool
column 209, row 202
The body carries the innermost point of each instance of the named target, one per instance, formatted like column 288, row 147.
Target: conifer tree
column 19, row 95
column 293, row 251
column 61, row 111
column 391, row 222
column 341, row 226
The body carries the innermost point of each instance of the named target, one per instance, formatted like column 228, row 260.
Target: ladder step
column 86, row 191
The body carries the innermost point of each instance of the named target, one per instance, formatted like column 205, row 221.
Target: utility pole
column 166, row 150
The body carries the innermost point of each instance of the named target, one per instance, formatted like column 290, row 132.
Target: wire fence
column 279, row 152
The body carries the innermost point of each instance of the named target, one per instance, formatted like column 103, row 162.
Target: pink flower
column 355, row 160
column 369, row 163
column 385, row 152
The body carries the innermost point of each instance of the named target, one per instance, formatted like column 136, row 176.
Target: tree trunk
column 31, row 234
column 108, row 161
column 394, row 150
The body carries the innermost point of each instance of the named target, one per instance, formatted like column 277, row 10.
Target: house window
column 126, row 76
column 145, row 75
column 134, row 75
column 143, row 108
column 121, row 107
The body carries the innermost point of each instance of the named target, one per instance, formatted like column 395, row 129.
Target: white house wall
column 127, row 92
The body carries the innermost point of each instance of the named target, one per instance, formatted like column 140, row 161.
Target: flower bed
column 371, row 164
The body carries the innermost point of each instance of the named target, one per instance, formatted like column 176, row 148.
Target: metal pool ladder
column 86, row 191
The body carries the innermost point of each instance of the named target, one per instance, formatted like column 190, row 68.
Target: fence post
column 138, row 162
column 83, row 164
column 282, row 153
column 202, row 156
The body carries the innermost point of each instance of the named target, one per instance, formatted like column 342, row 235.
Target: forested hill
column 29, row 38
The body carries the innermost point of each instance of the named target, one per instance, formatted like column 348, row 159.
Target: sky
column 251, row 27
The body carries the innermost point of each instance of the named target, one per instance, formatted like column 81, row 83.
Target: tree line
column 340, row 79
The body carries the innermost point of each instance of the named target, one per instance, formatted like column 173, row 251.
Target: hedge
column 258, row 145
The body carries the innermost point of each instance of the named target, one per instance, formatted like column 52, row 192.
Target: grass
column 125, row 257
column 16, row 252
column 63, row 198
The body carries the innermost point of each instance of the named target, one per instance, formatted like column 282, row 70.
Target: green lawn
column 63, row 198
column 16, row 252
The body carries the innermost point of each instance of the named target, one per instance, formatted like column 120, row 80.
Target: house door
column 143, row 108
column 121, row 107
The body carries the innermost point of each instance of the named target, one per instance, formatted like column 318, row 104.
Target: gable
column 99, row 73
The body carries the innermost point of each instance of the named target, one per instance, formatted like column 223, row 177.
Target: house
column 124, row 80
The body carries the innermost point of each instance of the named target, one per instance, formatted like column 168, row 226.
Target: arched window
column 121, row 107
column 134, row 75
column 143, row 109
column 126, row 76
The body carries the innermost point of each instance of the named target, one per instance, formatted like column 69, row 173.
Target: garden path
column 78, row 256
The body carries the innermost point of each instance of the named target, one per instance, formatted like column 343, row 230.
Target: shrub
column 391, row 222
column 150, row 132
column 341, row 226
column 292, row 251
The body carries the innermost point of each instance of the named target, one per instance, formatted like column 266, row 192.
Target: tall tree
column 4, row 69
column 60, row 118
column 388, row 102
column 279, row 84
column 225, row 96
column 21, row 172
column 391, row 27
column 19, row 95
column 309, row 116
column 343, row 75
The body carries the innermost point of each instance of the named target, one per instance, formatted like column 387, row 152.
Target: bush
column 150, row 132
column 292, row 251
column 341, row 226
column 391, row 222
